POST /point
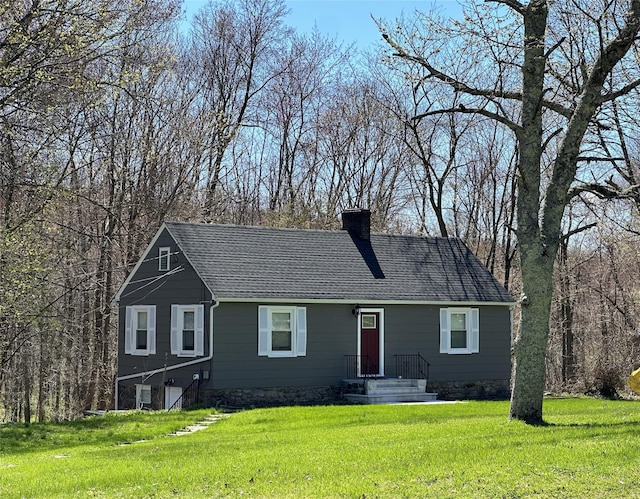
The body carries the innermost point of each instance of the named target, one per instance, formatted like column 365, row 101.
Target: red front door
column 369, row 343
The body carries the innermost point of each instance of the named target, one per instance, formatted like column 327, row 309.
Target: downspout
column 176, row 366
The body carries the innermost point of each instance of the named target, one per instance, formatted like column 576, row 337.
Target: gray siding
column 412, row 329
column 332, row 334
column 149, row 286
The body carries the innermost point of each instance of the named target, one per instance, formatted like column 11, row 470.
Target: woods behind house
column 117, row 116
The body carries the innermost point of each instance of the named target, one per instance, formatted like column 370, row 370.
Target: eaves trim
column 352, row 301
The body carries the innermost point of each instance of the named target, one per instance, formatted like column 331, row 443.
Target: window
column 368, row 321
column 140, row 330
column 164, row 259
column 459, row 330
column 143, row 395
column 282, row 331
column 281, row 323
column 187, row 330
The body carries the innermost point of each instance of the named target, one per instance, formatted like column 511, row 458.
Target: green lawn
column 590, row 449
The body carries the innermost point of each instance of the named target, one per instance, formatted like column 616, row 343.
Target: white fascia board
column 366, row 302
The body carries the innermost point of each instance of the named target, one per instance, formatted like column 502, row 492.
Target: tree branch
column 598, row 158
column 577, row 230
column 464, row 110
column 514, row 4
column 618, row 93
column 445, row 78
column 463, row 87
column 606, row 191
column 565, row 166
column 555, row 46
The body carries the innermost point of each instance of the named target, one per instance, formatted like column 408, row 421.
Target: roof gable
column 142, row 258
column 244, row 263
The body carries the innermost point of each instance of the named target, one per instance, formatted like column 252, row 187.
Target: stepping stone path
column 200, row 425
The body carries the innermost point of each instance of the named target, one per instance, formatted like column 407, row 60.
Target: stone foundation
column 247, row 398
column 271, row 397
column 499, row 389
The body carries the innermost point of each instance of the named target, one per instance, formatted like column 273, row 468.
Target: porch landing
column 386, row 390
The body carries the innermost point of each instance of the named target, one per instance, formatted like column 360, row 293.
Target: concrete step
column 387, row 391
column 391, row 398
column 380, row 390
column 394, row 385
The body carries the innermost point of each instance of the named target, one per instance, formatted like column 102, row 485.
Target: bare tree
column 54, row 65
column 559, row 96
column 231, row 44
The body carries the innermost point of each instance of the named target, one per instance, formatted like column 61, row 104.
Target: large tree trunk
column 536, row 260
column 530, row 346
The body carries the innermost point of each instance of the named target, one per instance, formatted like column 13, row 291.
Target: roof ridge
column 246, row 226
column 301, row 229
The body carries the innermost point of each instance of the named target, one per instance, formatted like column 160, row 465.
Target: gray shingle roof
column 242, row 262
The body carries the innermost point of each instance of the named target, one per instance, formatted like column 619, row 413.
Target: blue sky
column 348, row 20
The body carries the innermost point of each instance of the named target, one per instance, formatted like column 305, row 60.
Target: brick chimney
column 358, row 222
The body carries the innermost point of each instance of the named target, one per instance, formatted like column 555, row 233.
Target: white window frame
column 143, row 395
column 472, row 326
column 177, row 328
column 298, row 317
column 164, row 259
column 131, row 322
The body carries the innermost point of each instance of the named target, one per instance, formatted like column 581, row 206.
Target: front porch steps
column 386, row 391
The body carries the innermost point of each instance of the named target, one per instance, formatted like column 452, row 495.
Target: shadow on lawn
column 587, row 425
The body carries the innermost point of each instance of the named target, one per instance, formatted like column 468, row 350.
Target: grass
column 588, row 449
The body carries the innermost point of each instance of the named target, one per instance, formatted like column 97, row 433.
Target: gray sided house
column 251, row 316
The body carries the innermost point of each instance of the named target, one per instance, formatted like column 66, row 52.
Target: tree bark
column 536, row 259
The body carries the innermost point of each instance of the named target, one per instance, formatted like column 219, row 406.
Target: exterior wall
column 236, row 375
column 413, row 329
column 149, row 286
column 331, row 334
column 483, row 389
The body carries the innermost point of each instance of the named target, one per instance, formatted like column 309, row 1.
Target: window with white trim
column 459, row 330
column 140, row 330
column 187, row 330
column 164, row 259
column 282, row 331
column 143, row 395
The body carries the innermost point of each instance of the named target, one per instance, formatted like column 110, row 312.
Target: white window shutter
column 445, row 332
column 301, row 331
column 175, row 338
column 151, row 329
column 128, row 331
column 263, row 330
column 474, row 344
column 199, row 332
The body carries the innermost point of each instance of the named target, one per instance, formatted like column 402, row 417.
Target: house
column 241, row 316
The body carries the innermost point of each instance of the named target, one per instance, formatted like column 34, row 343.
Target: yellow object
column 634, row 381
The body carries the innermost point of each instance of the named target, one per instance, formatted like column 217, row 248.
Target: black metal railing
column 412, row 366
column 361, row 366
column 190, row 396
